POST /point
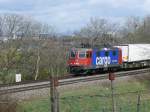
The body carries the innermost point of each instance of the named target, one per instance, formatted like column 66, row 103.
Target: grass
column 90, row 99
column 38, row 105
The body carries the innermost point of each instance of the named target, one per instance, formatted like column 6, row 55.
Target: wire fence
column 126, row 102
column 137, row 101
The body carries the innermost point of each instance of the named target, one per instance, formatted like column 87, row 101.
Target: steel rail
column 29, row 87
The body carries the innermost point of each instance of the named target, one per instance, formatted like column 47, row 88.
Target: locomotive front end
column 79, row 60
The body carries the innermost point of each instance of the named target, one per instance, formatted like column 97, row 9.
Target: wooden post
column 138, row 103
column 54, row 95
column 112, row 78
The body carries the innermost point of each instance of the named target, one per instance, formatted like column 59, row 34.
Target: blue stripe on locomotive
column 104, row 59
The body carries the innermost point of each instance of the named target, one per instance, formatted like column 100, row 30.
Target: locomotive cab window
column 98, row 53
column 114, row 53
column 89, row 54
column 72, row 54
column 106, row 53
column 82, row 54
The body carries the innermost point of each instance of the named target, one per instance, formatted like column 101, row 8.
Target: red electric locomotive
column 79, row 60
column 88, row 60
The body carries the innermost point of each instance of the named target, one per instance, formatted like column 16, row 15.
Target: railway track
column 45, row 84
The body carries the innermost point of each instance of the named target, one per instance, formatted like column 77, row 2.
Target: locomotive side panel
column 105, row 58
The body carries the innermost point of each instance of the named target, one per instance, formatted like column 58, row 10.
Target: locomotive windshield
column 82, row 54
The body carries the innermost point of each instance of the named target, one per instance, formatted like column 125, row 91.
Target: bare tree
column 12, row 24
column 144, row 30
column 1, row 26
column 44, row 31
column 24, row 52
column 136, row 30
column 98, row 30
column 129, row 30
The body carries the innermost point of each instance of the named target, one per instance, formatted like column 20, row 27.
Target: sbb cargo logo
column 103, row 60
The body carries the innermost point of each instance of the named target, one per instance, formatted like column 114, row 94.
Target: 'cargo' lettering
column 103, row 60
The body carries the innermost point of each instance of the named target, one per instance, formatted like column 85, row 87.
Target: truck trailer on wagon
column 135, row 55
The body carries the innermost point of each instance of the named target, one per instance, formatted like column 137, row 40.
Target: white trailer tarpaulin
column 135, row 52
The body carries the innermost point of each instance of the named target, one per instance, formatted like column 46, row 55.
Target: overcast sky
column 69, row 15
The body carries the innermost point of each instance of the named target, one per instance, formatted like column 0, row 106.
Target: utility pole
column 112, row 78
column 54, row 94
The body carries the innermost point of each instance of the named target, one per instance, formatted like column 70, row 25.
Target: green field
column 96, row 99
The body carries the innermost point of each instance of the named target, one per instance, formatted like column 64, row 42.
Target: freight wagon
column 135, row 55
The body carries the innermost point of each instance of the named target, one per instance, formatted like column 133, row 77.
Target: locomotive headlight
column 77, row 63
